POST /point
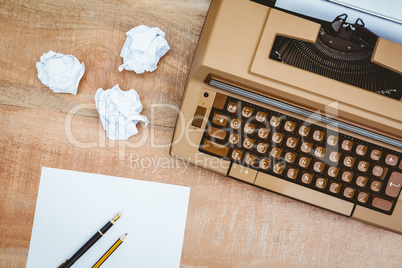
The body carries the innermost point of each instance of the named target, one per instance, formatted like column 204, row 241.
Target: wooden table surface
column 229, row 223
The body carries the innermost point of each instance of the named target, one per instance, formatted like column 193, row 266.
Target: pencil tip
column 122, row 238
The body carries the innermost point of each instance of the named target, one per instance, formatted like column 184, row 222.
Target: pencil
column 109, row 252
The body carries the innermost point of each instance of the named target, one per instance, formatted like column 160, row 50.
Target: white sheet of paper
column 328, row 11
column 72, row 206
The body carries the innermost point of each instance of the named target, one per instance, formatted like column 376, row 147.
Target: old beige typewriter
column 304, row 107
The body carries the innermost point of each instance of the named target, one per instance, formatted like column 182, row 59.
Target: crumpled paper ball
column 143, row 48
column 119, row 112
column 61, row 73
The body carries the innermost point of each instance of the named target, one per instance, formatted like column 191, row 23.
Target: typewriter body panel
column 234, row 49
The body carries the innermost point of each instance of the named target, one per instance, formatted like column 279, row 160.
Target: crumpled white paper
column 119, row 112
column 143, row 48
column 61, row 73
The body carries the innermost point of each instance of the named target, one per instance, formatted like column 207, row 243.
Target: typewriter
column 298, row 105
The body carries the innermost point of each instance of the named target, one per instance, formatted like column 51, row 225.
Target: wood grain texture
column 229, row 223
column 94, row 32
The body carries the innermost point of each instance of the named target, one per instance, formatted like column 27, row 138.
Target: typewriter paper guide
column 240, row 54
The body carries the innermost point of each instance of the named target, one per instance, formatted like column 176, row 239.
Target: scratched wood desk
column 229, row 223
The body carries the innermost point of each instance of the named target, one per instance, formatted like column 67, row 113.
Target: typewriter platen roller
column 342, row 52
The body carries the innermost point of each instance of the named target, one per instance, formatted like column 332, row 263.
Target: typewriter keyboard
column 307, row 154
